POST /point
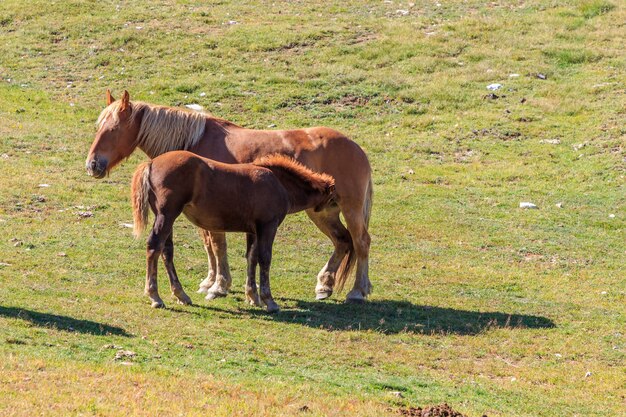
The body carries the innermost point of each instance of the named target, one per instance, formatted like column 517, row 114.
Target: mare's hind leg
column 328, row 222
column 265, row 239
column 161, row 229
column 252, row 295
column 210, row 279
column 355, row 220
column 175, row 285
column 223, row 280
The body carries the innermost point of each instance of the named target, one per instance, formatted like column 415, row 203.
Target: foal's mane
column 317, row 181
column 163, row 128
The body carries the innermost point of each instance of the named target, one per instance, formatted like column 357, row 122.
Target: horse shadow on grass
column 391, row 317
column 64, row 323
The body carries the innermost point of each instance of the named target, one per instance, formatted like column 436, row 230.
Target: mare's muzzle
column 96, row 167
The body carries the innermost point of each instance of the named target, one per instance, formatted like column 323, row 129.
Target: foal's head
column 306, row 188
column 116, row 136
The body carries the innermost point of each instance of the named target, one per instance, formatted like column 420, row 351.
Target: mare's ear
column 110, row 98
column 125, row 103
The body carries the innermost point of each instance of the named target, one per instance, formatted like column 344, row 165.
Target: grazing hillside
column 478, row 303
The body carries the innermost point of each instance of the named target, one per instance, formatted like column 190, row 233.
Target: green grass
column 477, row 303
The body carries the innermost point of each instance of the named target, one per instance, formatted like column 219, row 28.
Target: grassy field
column 491, row 308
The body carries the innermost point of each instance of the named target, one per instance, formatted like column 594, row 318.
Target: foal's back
column 217, row 196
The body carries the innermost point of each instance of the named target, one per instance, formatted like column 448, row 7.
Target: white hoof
column 355, row 296
column 322, row 295
column 211, row 295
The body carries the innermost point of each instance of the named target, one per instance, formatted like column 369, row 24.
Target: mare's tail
column 367, row 207
column 139, row 193
column 349, row 259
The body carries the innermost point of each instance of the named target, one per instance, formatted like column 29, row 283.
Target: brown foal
column 218, row 197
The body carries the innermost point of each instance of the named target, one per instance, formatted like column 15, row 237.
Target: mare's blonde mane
column 162, row 128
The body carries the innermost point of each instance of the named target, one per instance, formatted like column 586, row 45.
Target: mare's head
column 116, row 138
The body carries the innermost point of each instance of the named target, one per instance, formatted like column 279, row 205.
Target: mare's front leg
column 252, row 295
column 265, row 240
column 161, row 229
column 175, row 285
column 210, row 279
column 223, row 280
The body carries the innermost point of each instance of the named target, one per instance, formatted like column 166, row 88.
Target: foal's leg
column 223, row 280
column 265, row 239
column 156, row 242
column 175, row 285
column 252, row 296
column 210, row 279
column 328, row 222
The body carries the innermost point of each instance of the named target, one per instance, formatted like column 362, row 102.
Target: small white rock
column 195, row 107
column 550, row 141
column 611, row 216
column 402, row 12
column 558, row 355
column 43, row 185
column 513, row 379
column 494, row 87
column 527, row 205
column 121, row 354
column 513, row 75
column 202, row 94
column 588, row 374
column 559, row 205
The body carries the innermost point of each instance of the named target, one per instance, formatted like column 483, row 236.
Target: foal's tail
column 139, row 193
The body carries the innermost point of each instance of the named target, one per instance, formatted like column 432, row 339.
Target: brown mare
column 202, row 189
column 124, row 126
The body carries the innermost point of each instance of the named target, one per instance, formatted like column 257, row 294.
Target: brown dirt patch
column 442, row 410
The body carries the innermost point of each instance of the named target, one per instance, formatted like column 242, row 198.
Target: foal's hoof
column 203, row 290
column 158, row 304
column 272, row 308
column 213, row 295
column 253, row 301
column 184, row 300
column 355, row 297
